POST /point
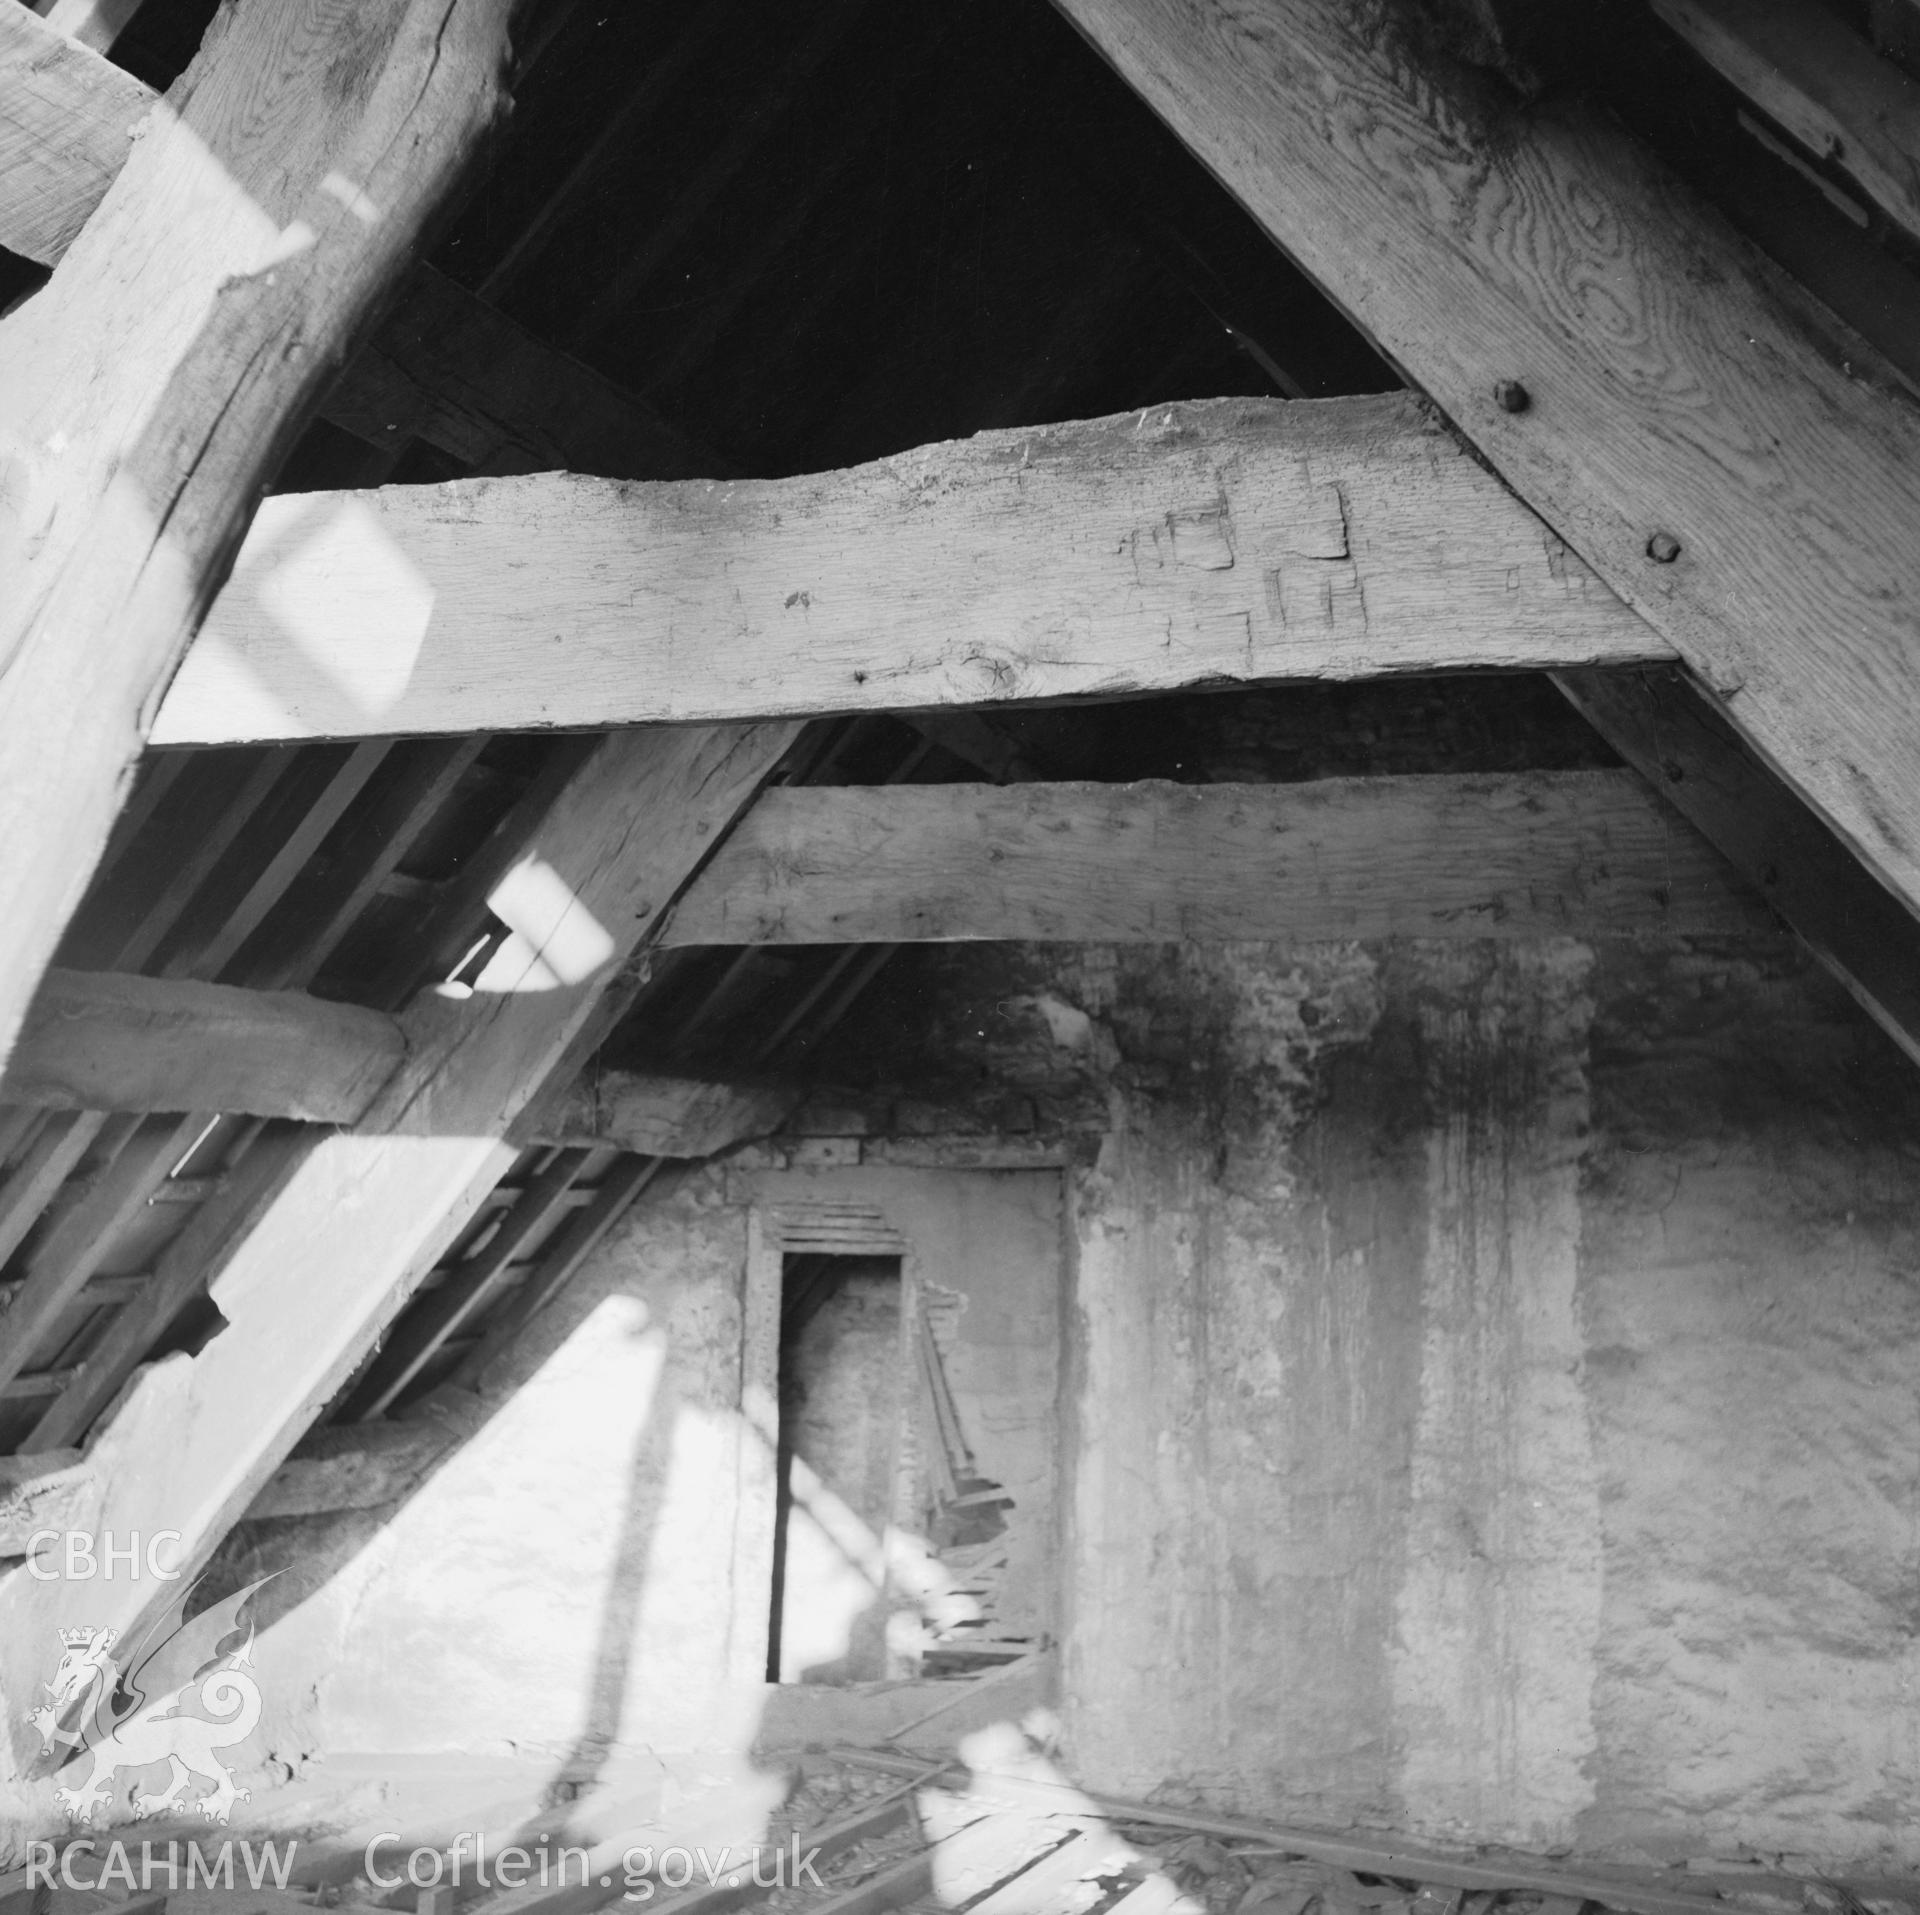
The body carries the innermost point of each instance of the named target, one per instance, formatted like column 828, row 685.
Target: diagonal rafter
column 1624, row 360
column 182, row 340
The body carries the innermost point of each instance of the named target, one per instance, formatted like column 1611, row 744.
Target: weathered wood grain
column 66, row 117
column 1537, row 854
column 442, row 365
column 1808, row 71
column 1672, row 392
column 100, row 1041
column 1662, row 727
column 346, row 1232
column 619, row 843
column 1227, row 541
column 155, row 381
column 662, row 1116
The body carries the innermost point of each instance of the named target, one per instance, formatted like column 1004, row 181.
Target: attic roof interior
column 810, row 237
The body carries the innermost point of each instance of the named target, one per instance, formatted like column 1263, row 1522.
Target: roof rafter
column 180, row 342
column 442, row 365
column 1615, row 350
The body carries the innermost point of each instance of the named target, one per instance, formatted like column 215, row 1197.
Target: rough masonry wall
column 1492, row 1409
column 586, row 1574
column 1497, row 1399
column 582, row 1589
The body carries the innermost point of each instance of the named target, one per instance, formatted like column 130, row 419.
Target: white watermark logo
column 177, row 1699
column 213, row 1868
column 80, row 1561
column 643, row 1869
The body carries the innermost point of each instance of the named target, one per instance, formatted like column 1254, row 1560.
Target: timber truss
column 348, row 839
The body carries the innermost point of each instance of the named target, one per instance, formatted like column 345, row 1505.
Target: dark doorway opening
column 840, row 1433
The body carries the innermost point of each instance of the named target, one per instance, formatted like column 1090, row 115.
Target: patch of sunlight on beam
column 1018, row 1806
column 219, row 673
column 555, row 939
column 356, row 607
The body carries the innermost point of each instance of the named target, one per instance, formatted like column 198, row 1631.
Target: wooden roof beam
column 1809, row 73
column 443, row 365
column 1662, row 726
column 66, row 118
column 1530, row 854
column 101, row 1041
column 179, row 344
column 1615, row 350
column 104, row 1041
column 1218, row 542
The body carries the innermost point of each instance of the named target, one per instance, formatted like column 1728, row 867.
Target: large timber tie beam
column 154, row 383
column 1615, row 350
column 1226, row 541
column 1532, row 854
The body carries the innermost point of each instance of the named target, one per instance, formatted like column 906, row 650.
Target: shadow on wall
column 560, row 1635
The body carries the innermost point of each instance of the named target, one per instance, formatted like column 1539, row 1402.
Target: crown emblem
column 84, row 1638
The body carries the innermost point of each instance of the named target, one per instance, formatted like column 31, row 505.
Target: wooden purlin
column 1578, row 853
column 97, row 1041
column 32, row 1185
column 525, row 1292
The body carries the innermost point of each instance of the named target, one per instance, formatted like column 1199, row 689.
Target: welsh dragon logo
column 178, row 1698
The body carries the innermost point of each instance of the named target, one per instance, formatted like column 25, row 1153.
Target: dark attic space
column 959, row 960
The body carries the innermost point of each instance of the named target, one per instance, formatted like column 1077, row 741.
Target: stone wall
column 1492, row 1407
column 587, row 1573
column 1496, row 1393
column 584, row 1584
